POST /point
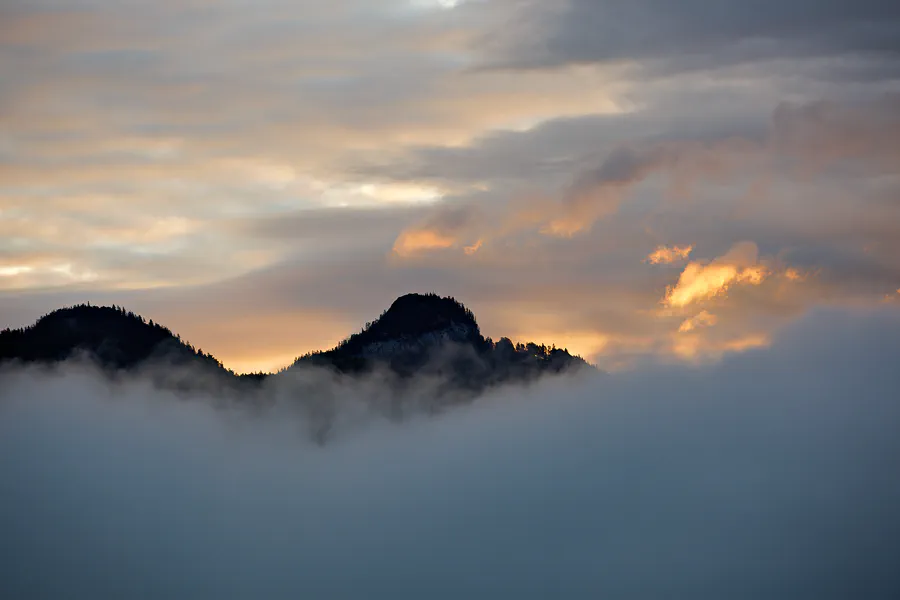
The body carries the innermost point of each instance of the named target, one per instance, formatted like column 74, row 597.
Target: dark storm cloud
column 772, row 475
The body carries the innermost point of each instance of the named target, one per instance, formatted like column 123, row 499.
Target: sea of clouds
column 773, row 474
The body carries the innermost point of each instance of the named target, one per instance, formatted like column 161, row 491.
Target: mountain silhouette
column 116, row 341
column 425, row 334
column 113, row 337
column 418, row 335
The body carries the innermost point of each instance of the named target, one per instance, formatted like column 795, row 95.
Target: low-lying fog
column 775, row 474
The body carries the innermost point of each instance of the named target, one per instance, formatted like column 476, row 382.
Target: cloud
column 702, row 281
column 700, row 34
column 795, row 275
column 442, row 230
column 772, row 474
column 412, row 242
column 693, row 349
column 473, row 248
column 597, row 193
column 804, row 140
column 113, row 122
column 665, row 255
column 701, row 319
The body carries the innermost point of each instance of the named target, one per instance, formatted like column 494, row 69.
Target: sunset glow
column 701, row 281
column 417, row 241
column 528, row 159
column 701, row 319
column 664, row 255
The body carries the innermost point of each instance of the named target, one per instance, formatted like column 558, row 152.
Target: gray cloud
column 331, row 231
column 702, row 33
column 770, row 475
column 550, row 152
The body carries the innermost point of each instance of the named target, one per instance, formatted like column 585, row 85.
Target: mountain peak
column 416, row 314
column 116, row 338
column 427, row 333
column 410, row 323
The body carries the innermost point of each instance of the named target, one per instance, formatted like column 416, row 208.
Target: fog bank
column 774, row 474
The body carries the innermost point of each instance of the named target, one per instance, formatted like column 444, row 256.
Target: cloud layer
column 773, row 474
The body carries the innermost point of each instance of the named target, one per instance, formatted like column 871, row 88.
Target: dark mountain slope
column 113, row 338
column 425, row 334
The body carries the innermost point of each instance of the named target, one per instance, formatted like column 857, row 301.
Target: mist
column 773, row 474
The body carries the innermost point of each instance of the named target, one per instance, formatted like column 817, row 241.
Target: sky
column 774, row 473
column 634, row 180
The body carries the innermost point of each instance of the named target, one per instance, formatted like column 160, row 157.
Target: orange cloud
column 415, row 241
column 664, row 255
column 447, row 228
column 702, row 319
column 794, row 275
column 473, row 248
column 701, row 281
